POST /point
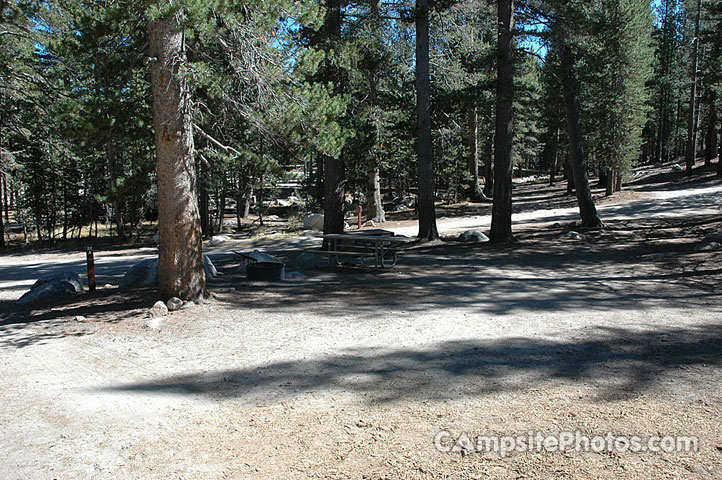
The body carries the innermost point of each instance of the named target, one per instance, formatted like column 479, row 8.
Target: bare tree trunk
column 501, row 209
column 334, row 173
column 5, row 198
column 711, row 140
column 587, row 210
column 221, row 210
column 719, row 156
column 609, row 181
column 476, row 194
column 206, row 226
column 554, row 160
column 691, row 133
column 424, row 147
column 374, row 202
column 3, row 194
column 180, row 261
column 617, row 181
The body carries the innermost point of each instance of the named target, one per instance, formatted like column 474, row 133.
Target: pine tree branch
column 215, row 142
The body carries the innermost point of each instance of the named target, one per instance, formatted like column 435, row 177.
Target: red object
column 359, row 211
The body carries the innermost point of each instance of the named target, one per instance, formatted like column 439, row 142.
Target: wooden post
column 359, row 212
column 91, row 269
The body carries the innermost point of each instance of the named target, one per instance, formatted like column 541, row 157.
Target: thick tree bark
column 334, row 174
column 691, row 152
column 374, row 201
column 587, row 210
column 503, row 138
column 180, row 266
column 424, row 147
column 475, row 191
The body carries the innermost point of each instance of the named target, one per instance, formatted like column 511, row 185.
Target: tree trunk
column 554, row 160
column 374, row 202
column 221, row 210
column 475, row 192
column 691, row 152
column 334, row 174
column 719, row 156
column 587, row 210
column 711, row 140
column 503, row 138
column 617, row 181
column 3, row 194
column 609, row 181
column 112, row 159
column 5, row 197
column 424, row 147
column 180, row 259
column 206, row 226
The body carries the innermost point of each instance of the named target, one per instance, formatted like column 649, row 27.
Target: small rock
column 154, row 323
column 677, row 167
column 80, row 318
column 295, row 276
column 107, row 285
column 174, row 303
column 313, row 221
column 57, row 285
column 707, row 246
column 574, row 235
column 557, row 225
column 473, row 236
column 158, row 309
column 217, row 240
column 142, row 273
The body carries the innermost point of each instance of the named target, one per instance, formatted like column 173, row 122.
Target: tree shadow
column 612, row 364
column 544, row 272
column 36, row 323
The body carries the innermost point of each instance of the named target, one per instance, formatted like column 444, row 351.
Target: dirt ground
column 346, row 374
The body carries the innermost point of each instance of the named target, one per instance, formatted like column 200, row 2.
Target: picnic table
column 382, row 246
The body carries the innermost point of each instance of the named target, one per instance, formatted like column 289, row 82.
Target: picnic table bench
column 382, row 246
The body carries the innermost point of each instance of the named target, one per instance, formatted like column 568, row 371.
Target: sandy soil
column 351, row 374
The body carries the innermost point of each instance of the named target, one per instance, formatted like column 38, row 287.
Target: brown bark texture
column 587, row 209
column 180, row 267
column 503, row 137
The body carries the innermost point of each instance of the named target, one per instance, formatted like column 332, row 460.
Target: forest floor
column 349, row 374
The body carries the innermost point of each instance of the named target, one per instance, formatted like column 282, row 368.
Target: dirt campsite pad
column 344, row 374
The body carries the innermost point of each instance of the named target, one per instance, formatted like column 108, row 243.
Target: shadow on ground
column 615, row 364
column 26, row 325
column 625, row 267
